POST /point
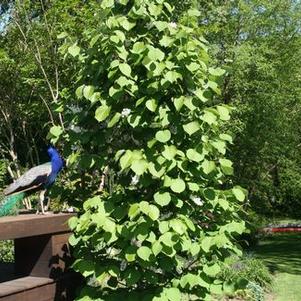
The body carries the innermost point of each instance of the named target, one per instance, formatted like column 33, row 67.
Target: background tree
column 258, row 43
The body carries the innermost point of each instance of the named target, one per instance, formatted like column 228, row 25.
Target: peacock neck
column 56, row 164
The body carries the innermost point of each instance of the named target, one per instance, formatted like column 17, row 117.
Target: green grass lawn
column 282, row 254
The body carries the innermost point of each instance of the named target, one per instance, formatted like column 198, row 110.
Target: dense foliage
column 146, row 111
column 258, row 43
column 134, row 99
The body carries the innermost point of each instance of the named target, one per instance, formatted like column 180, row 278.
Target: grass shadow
column 281, row 253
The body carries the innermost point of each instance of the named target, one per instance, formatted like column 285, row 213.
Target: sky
column 4, row 18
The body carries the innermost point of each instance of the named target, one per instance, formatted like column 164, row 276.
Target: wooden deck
column 42, row 258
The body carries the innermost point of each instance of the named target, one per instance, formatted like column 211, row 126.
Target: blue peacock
column 39, row 178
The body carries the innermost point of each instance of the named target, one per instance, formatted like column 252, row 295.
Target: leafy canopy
column 145, row 110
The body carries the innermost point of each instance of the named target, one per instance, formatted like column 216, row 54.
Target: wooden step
column 28, row 289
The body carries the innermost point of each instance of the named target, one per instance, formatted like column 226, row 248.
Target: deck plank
column 26, row 225
column 22, row 284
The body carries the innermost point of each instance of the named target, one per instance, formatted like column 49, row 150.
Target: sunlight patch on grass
column 287, row 287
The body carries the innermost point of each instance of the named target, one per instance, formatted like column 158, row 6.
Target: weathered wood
column 42, row 258
column 26, row 288
column 12, row 227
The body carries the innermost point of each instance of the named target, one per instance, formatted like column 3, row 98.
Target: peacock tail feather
column 10, row 203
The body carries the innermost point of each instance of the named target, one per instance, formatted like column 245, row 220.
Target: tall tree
column 258, row 42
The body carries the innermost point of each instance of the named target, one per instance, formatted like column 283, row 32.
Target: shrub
column 251, row 269
column 147, row 111
column 6, row 251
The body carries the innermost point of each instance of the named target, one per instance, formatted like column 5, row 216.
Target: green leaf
column 154, row 10
column 173, row 294
column 73, row 240
column 192, row 67
column 191, row 128
column 124, row 22
column 138, row 47
column 209, row 117
column 178, row 102
column 162, row 199
column 193, row 186
column 193, row 155
column 206, row 244
column 62, row 35
column 224, row 204
column 161, row 25
column 102, row 112
column 122, row 81
column 169, row 152
column 74, row 50
column 155, row 54
column 163, row 227
column 167, row 239
column 134, row 210
column 193, row 12
column 130, row 254
column 114, row 120
column 134, row 120
column 154, row 212
column 220, row 146
column 156, row 248
column 126, row 160
column 107, row 4
column 199, row 93
column 144, row 207
column 88, row 92
column 226, row 137
column 85, row 267
column 224, row 113
column 216, row 71
column 163, row 136
column 195, row 249
column 214, row 86
column 238, row 193
column 171, row 77
column 226, row 166
column 139, row 166
column 189, row 103
column 208, row 166
column 56, row 131
column 178, row 226
column 151, row 104
column 166, row 41
column 212, row 270
column 79, row 91
column 72, row 222
column 144, row 253
column 156, row 170
column 125, row 69
column 177, row 185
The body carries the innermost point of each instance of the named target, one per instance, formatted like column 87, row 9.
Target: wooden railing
column 41, row 258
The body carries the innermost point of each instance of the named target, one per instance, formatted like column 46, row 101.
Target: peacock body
column 38, row 178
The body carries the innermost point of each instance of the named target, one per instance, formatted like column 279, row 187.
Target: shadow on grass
column 281, row 253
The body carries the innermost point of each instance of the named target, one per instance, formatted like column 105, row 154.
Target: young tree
column 146, row 110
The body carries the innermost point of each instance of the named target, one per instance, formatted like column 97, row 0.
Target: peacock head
column 55, row 157
column 52, row 152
